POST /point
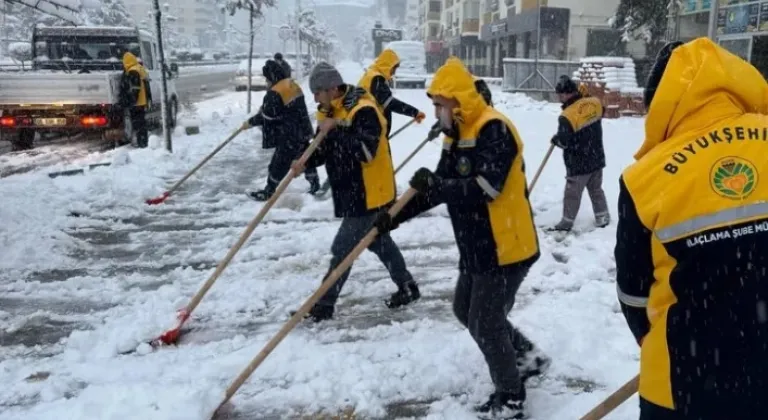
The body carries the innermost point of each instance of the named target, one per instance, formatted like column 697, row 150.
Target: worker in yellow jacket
column 481, row 178
column 136, row 96
column 692, row 238
column 376, row 81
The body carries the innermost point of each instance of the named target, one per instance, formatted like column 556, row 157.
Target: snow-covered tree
column 254, row 8
column 106, row 13
column 643, row 20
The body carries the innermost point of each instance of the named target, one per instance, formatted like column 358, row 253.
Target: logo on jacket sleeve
column 464, row 166
column 734, row 177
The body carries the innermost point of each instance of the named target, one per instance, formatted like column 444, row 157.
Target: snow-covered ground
column 88, row 271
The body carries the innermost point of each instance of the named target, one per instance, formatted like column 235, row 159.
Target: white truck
column 413, row 64
column 74, row 84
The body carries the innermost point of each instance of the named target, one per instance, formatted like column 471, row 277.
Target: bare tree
column 254, row 9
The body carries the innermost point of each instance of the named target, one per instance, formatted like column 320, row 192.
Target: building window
column 434, row 29
column 434, row 6
column 472, row 10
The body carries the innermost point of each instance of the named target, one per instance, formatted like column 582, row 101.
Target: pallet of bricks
column 614, row 82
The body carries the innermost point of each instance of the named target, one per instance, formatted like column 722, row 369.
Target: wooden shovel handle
column 614, row 400
column 252, row 225
column 332, row 278
column 204, row 161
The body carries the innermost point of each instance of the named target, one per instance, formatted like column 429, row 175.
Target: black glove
column 424, row 180
column 384, row 222
column 434, row 132
column 557, row 142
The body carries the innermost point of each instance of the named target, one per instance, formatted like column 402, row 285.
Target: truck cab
column 74, row 84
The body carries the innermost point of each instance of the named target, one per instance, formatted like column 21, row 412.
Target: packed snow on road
column 90, row 273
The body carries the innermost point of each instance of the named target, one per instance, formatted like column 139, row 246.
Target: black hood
column 273, row 72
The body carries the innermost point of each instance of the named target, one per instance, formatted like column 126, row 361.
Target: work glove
column 420, row 117
column 434, row 132
column 424, row 180
column 557, row 142
column 384, row 222
column 246, row 126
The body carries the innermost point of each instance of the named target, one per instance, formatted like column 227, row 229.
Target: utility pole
column 712, row 29
column 164, row 108
column 299, row 61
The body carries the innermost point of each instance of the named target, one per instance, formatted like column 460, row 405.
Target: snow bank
column 616, row 73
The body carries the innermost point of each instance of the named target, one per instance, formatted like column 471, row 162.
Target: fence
column 538, row 79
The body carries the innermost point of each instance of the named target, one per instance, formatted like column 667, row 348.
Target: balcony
column 470, row 26
column 433, row 17
column 487, row 18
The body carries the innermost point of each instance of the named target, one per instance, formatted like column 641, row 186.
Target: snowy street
column 89, row 272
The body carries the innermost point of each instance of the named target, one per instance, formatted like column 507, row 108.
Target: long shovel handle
column 541, row 167
column 204, row 161
column 405, row 162
column 332, row 278
column 400, row 130
column 614, row 400
column 252, row 225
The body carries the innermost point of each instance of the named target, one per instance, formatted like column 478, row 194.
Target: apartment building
column 430, row 15
column 198, row 20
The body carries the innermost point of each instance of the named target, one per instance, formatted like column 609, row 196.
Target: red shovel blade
column 158, row 200
column 171, row 336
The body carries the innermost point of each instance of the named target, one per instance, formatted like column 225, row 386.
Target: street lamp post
column 164, row 108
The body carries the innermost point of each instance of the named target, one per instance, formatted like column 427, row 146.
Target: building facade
column 198, row 20
column 483, row 32
column 741, row 26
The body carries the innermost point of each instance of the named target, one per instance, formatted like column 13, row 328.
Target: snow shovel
column 165, row 195
column 541, row 167
column 172, row 336
column 614, row 400
column 327, row 184
column 328, row 282
column 433, row 134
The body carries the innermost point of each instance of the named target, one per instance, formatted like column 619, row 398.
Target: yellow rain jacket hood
column 130, row 62
column 454, row 81
column 385, row 62
column 702, row 85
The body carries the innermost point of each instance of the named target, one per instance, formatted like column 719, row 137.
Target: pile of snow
column 615, row 73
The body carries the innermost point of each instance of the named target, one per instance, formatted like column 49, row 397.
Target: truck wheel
column 23, row 140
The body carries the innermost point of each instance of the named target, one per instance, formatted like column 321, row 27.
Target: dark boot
column 314, row 186
column 404, row 295
column 532, row 363
column 320, row 313
column 261, row 195
column 503, row 406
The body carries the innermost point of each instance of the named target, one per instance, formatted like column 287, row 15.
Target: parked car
column 258, row 82
column 413, row 64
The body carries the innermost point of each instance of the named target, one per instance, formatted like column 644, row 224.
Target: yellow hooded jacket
column 382, row 66
column 131, row 64
column 692, row 238
column 483, row 179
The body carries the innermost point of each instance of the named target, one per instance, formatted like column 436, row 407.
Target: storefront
column 742, row 28
column 465, row 47
column 498, row 43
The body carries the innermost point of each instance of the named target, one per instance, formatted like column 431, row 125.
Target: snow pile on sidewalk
column 370, row 358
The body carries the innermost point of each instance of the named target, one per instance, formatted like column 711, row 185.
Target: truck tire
column 23, row 140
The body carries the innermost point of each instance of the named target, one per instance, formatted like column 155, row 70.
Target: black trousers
column 351, row 232
column 481, row 304
column 139, row 125
column 280, row 164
